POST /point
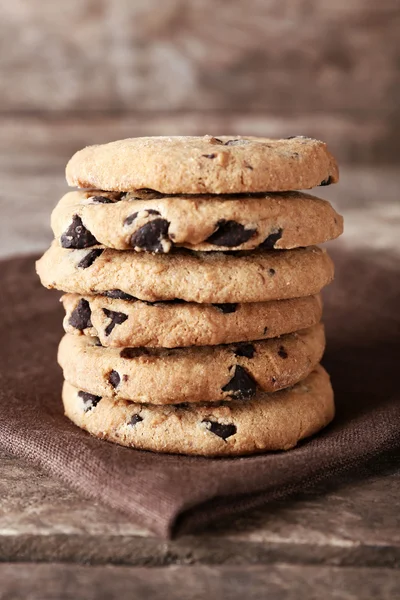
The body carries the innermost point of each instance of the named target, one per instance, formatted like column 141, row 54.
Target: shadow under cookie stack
column 192, row 282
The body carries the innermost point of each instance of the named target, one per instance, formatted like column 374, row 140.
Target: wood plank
column 353, row 520
column 281, row 582
column 305, row 56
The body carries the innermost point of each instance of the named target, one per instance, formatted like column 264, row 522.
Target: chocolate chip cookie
column 264, row 422
column 196, row 374
column 120, row 323
column 151, row 222
column 204, row 165
column 205, row 277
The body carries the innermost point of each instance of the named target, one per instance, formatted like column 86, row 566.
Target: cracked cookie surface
column 151, row 222
column 195, row 374
column 265, row 422
column 204, row 277
column 204, row 165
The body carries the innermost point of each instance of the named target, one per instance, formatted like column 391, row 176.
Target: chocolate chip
column 117, row 318
column 149, row 236
column 118, row 295
column 89, row 400
column 219, row 429
column 326, row 181
column 114, row 378
column 133, row 352
column 77, row 236
column 150, row 211
column 80, row 316
column 226, row 308
column 282, row 352
column 209, row 155
column 102, row 200
column 129, row 220
column 230, row 233
column 246, row 350
column 135, row 419
column 237, row 142
column 89, row 259
column 272, row 272
column 242, row 385
column 270, row 241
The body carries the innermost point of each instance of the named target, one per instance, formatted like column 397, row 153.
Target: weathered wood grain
column 280, row 582
column 351, row 521
column 280, row 56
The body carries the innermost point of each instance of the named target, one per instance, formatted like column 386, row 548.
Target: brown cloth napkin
column 170, row 494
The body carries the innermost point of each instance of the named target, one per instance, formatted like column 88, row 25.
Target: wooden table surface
column 340, row 540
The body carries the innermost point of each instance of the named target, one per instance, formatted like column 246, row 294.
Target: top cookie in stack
column 182, row 242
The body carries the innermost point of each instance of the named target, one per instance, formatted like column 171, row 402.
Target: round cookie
column 154, row 223
column 196, row 374
column 266, row 422
column 205, row 277
column 204, row 165
column 122, row 323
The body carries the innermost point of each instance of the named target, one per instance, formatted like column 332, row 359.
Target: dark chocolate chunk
column 209, row 155
column 242, row 385
column 114, row 378
column 118, row 295
column 135, row 419
column 237, row 142
column 149, row 236
column 102, row 200
column 89, row 400
column 77, row 236
column 89, row 259
column 230, row 233
column 282, row 352
column 116, row 319
column 226, row 307
column 80, row 316
column 269, row 242
column 246, row 350
column 129, row 220
column 133, row 352
column 326, row 181
column 221, row 430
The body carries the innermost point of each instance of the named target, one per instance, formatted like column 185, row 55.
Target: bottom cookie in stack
column 267, row 421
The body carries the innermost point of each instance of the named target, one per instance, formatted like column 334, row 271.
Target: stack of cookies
column 192, row 282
